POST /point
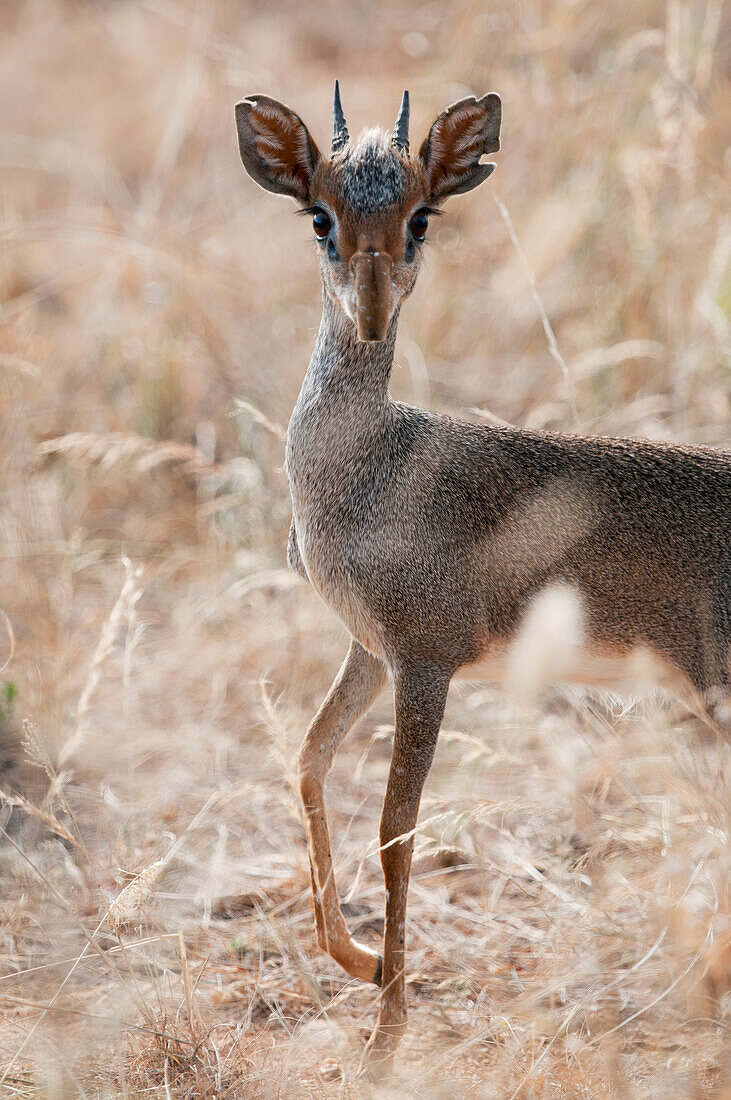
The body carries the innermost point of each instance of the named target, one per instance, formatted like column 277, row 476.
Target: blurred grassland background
column 570, row 918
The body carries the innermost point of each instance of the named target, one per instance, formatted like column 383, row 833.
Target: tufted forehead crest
column 371, row 174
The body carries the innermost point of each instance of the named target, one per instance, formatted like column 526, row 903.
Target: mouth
column 372, row 286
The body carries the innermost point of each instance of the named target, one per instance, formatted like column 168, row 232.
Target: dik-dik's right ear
column 276, row 147
column 458, row 138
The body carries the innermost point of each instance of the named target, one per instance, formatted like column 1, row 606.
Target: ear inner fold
column 458, row 138
column 276, row 147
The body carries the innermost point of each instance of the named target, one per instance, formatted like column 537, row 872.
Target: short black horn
column 400, row 139
column 341, row 137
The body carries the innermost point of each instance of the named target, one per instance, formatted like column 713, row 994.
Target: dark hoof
column 378, row 975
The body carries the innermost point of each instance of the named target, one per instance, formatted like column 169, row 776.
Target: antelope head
column 371, row 199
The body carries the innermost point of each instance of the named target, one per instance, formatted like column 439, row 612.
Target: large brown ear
column 457, row 140
column 276, row 147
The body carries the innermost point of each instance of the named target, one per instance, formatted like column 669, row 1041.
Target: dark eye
column 419, row 224
column 321, row 224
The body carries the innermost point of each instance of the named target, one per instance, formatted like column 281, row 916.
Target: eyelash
column 430, row 211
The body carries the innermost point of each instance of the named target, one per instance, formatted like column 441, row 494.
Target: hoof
column 378, row 1057
column 376, row 1064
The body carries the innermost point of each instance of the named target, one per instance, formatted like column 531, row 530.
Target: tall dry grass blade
column 48, row 819
column 259, row 418
column 133, row 898
column 547, row 327
column 129, row 594
column 144, row 454
column 11, row 638
column 186, row 979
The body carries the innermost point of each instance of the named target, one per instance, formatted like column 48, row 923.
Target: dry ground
column 570, row 917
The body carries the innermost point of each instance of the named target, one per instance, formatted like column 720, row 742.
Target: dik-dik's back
column 491, row 516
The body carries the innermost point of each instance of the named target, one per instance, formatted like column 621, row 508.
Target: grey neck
column 343, row 368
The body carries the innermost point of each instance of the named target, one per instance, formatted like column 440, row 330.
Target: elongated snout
column 372, row 284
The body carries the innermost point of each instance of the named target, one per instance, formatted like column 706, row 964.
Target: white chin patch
column 348, row 305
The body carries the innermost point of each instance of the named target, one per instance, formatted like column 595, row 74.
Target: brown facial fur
column 369, row 217
column 370, row 224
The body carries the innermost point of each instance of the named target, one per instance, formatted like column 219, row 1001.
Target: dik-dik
column 431, row 537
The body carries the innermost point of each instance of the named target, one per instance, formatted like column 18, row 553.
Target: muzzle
column 372, row 279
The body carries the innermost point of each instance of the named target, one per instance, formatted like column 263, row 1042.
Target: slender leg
column 356, row 686
column 420, row 696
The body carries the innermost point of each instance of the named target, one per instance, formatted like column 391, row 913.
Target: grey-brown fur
column 371, row 179
column 400, row 513
column 430, row 536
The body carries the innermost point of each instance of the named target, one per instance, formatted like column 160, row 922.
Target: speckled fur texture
column 430, row 537
column 401, row 517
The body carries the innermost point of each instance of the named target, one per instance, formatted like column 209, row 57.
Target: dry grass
column 570, row 917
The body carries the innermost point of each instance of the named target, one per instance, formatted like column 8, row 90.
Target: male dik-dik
column 430, row 537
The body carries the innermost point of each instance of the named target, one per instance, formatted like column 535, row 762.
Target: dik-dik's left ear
column 276, row 147
column 458, row 138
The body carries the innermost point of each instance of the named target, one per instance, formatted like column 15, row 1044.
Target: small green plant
column 7, row 700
